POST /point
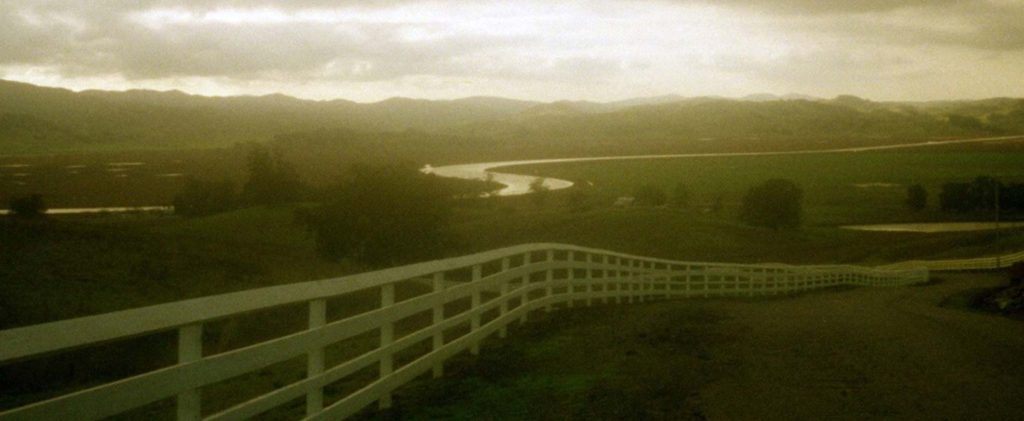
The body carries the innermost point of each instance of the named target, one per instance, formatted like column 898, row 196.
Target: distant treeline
column 983, row 194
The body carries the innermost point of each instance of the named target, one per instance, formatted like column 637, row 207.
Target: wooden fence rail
column 503, row 287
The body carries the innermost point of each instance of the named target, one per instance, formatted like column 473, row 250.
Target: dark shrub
column 1017, row 274
column 382, row 216
column 271, row 180
column 539, row 191
column 31, row 206
column 774, row 204
column 917, row 197
column 198, row 198
column 649, row 195
column 681, row 196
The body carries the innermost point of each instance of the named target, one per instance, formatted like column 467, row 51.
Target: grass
column 830, row 181
column 70, row 267
column 75, row 266
column 548, row 371
column 855, row 353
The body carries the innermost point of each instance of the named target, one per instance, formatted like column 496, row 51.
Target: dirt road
column 849, row 354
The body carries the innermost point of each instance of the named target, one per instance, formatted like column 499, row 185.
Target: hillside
column 723, row 124
column 37, row 120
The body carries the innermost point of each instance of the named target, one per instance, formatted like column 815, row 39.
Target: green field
column 68, row 267
column 850, row 188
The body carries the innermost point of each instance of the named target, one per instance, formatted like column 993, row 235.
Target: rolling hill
column 36, row 120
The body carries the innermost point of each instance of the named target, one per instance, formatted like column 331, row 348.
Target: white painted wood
column 190, row 349
column 503, row 331
column 436, row 318
column 315, row 358
column 549, row 275
column 525, row 282
column 474, row 303
column 571, row 290
column 387, row 336
column 621, row 276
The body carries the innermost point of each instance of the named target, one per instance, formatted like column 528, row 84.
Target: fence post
column 387, row 336
column 190, row 349
column 315, row 358
column 570, row 288
column 641, row 280
column 589, row 277
column 687, row 279
column 668, row 283
column 475, row 320
column 549, row 278
column 438, row 317
column 750, row 281
column 605, row 284
column 525, row 283
column 503, row 331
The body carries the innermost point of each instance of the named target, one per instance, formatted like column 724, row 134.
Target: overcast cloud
column 546, row 50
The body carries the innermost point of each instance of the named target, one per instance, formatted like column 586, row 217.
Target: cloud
column 598, row 49
column 831, row 7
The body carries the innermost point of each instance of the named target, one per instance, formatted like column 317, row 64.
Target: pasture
column 839, row 189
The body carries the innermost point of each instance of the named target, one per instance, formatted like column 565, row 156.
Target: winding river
column 109, row 209
column 517, row 184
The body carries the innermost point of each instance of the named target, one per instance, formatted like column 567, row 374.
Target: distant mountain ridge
column 37, row 119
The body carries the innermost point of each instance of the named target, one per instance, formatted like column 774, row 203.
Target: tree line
column 983, row 194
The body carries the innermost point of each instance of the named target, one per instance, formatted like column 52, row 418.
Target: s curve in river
column 517, row 184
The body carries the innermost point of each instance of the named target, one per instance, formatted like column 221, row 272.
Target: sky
column 602, row 50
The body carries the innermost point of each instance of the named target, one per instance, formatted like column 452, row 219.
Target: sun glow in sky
column 546, row 50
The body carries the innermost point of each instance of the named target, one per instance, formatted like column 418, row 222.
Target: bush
column 681, row 196
column 1017, row 274
column 31, row 206
column 538, row 191
column 917, row 197
column 381, row 217
column 981, row 195
column 576, row 199
column 649, row 195
column 271, row 180
column 198, row 198
column 775, row 204
column 956, row 197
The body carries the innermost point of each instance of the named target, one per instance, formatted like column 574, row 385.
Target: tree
column 271, row 180
column 979, row 194
column 199, row 197
column 382, row 216
column 31, row 206
column 956, row 197
column 538, row 191
column 681, row 196
column 917, row 197
column 649, row 195
column 775, row 204
column 576, row 199
column 983, row 192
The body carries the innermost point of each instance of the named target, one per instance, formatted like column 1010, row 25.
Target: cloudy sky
column 546, row 50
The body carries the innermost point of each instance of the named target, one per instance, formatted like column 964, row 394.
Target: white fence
column 502, row 286
column 980, row 263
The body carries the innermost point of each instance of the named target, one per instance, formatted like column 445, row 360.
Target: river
column 928, row 228
column 517, row 184
column 109, row 209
